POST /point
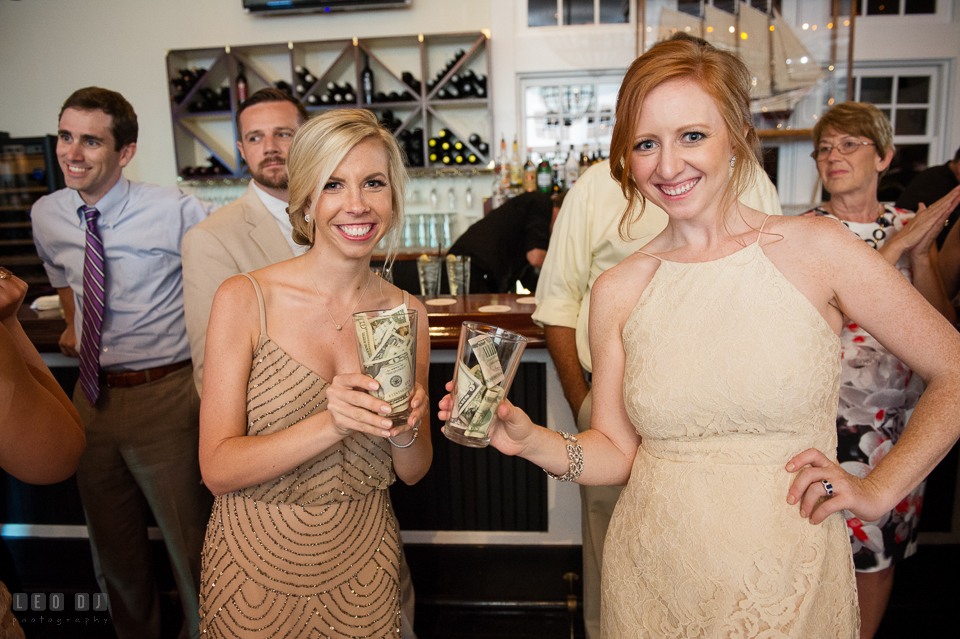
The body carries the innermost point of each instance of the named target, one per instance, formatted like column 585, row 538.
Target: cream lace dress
column 315, row 552
column 730, row 371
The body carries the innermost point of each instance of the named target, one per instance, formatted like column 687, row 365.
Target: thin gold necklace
column 336, row 325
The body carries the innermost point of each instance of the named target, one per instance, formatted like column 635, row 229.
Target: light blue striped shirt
column 142, row 226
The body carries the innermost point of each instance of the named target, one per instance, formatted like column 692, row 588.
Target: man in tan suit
column 251, row 232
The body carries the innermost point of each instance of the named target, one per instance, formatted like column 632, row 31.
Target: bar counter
column 513, row 313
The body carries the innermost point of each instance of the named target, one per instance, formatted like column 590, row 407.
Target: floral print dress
column 877, row 395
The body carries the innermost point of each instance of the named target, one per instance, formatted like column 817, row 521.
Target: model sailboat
column 782, row 69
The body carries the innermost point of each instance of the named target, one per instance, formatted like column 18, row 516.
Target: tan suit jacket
column 238, row 238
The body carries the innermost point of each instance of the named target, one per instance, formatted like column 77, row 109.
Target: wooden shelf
column 204, row 134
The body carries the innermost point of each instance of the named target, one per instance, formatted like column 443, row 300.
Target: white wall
column 49, row 48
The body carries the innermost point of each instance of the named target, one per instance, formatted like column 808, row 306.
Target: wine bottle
column 241, row 83
column 474, row 139
column 484, row 148
column 366, row 82
column 284, row 86
column 529, row 173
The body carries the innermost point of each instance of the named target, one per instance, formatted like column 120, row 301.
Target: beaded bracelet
column 575, row 454
column 416, row 431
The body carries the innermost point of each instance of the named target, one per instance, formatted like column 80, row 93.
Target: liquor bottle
column 503, row 166
column 544, row 175
column 571, row 169
column 366, row 82
column 241, row 83
column 556, row 165
column 584, row 158
column 516, row 169
column 529, row 173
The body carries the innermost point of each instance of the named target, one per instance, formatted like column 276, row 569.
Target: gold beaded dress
column 730, row 372
column 314, row 552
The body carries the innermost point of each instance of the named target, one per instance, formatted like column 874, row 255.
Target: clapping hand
column 918, row 236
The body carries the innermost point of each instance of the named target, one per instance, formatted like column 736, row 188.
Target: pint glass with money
column 487, row 360
column 387, row 346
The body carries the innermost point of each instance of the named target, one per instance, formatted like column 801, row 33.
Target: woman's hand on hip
column 822, row 487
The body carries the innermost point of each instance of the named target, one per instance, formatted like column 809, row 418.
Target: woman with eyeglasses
column 853, row 146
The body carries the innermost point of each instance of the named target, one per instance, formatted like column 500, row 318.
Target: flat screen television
column 319, row 6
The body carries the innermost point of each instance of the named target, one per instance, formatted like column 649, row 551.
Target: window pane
column 689, row 7
column 542, row 133
column 886, row 114
column 542, row 13
column 578, row 98
column 614, row 11
column 542, row 100
column 920, row 6
column 876, row 90
column 911, row 122
column 883, row 7
column 909, row 160
column 913, row 90
column 607, row 96
column 578, row 12
column 730, row 6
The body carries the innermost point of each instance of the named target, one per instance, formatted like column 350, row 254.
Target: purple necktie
column 94, row 287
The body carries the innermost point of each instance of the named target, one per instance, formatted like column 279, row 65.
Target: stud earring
column 306, row 217
column 733, row 161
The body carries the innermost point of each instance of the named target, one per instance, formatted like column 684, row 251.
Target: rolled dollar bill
column 485, row 413
column 469, row 393
column 487, row 358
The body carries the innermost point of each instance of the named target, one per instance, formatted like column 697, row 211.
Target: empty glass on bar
column 487, row 360
column 428, row 269
column 458, row 274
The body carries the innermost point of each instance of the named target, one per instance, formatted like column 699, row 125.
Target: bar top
column 445, row 314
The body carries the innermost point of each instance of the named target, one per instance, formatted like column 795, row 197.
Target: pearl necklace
column 317, row 289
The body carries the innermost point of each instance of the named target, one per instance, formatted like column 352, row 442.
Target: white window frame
column 938, row 100
column 526, row 81
column 631, row 19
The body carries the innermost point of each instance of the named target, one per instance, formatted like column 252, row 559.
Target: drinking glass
column 428, row 269
column 487, row 360
column 387, row 347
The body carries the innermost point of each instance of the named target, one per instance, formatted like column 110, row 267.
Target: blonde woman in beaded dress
column 302, row 540
column 716, row 374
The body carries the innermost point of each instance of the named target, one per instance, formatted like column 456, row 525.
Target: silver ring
column 828, row 487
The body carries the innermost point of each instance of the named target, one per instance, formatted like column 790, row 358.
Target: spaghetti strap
column 649, row 255
column 760, row 232
column 263, row 312
column 406, row 299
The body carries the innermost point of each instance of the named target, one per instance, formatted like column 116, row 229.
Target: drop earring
column 733, row 161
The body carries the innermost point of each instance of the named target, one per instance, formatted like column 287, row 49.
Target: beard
column 272, row 181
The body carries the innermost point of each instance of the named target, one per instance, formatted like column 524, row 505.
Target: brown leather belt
column 126, row 379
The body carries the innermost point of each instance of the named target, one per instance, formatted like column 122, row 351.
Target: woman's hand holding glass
column 352, row 408
column 510, row 429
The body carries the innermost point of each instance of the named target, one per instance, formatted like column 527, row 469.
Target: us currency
column 469, row 391
column 395, row 376
column 394, row 321
column 391, row 345
column 485, row 412
column 486, row 352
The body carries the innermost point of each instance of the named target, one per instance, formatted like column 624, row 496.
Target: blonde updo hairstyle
column 318, row 149
column 858, row 119
column 721, row 75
